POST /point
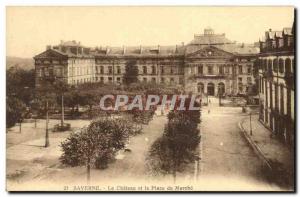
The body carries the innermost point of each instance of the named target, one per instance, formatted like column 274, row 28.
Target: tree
column 20, row 84
column 177, row 146
column 72, row 100
column 15, row 109
column 90, row 99
column 97, row 142
column 131, row 72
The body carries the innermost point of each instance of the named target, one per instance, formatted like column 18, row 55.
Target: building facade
column 277, row 83
column 210, row 64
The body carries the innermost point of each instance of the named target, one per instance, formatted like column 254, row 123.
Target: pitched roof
column 141, row 50
column 50, row 53
column 233, row 48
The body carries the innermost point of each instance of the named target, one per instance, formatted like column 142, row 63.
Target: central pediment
column 50, row 53
column 209, row 52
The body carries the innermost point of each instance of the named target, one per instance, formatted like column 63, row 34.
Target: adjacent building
column 210, row 64
column 277, row 83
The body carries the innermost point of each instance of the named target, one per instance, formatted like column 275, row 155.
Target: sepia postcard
column 150, row 98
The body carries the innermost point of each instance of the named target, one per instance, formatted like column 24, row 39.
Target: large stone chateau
column 210, row 64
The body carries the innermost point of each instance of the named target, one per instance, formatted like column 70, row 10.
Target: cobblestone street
column 225, row 152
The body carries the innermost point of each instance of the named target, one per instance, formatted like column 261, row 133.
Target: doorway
column 210, row 89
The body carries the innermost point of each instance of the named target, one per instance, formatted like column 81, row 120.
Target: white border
column 5, row 3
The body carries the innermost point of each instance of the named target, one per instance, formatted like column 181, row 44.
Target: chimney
column 158, row 49
column 176, row 49
column 61, row 41
column 270, row 30
column 48, row 47
column 124, row 50
column 107, row 50
column 141, row 49
column 182, row 43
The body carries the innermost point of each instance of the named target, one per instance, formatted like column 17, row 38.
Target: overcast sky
column 30, row 29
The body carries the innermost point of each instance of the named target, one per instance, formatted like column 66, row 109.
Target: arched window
column 288, row 65
column 200, row 87
column 221, row 88
column 275, row 65
column 281, row 65
column 269, row 65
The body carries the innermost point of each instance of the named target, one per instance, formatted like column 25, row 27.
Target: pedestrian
column 208, row 110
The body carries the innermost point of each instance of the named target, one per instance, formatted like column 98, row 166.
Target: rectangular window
column 145, row 79
column 249, row 80
column 162, row 70
column 153, row 70
column 210, row 70
column 227, row 69
column 162, row 80
column 101, row 70
column 240, row 79
column 249, row 69
column 221, row 70
column 102, row 79
column 240, row 87
column 118, row 70
column 200, row 69
column 110, row 70
column 110, row 79
column 144, row 69
column 171, row 70
column 240, row 69
column 153, row 79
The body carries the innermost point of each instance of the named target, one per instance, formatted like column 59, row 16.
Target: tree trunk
column 47, row 132
column 90, row 111
column 20, row 129
column 174, row 175
column 88, row 171
column 62, row 110
column 174, row 168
